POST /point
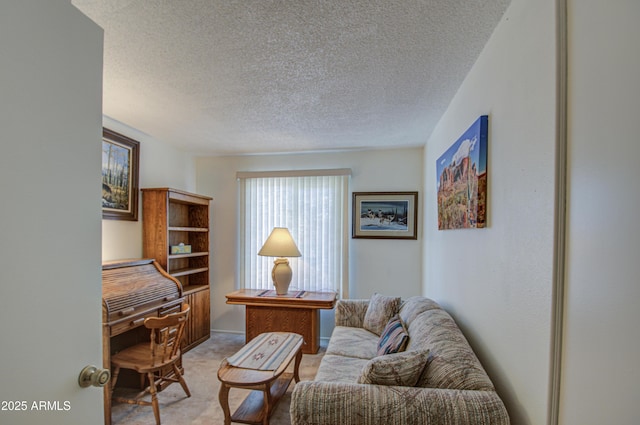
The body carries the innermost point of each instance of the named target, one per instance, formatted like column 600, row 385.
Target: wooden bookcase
column 171, row 217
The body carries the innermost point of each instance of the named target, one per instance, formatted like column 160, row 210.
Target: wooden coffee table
column 268, row 385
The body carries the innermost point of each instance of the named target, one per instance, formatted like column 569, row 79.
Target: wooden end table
column 268, row 387
column 297, row 312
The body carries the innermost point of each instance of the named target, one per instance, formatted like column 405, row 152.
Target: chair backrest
column 166, row 335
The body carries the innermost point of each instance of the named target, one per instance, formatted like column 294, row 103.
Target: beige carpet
column 203, row 407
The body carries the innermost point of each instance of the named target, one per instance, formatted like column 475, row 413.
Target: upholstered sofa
column 435, row 379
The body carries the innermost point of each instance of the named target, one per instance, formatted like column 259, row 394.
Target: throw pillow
column 394, row 338
column 395, row 369
column 380, row 310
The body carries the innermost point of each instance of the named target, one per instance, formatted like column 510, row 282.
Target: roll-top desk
column 132, row 290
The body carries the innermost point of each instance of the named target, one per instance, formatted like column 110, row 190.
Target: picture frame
column 385, row 215
column 120, row 162
column 462, row 179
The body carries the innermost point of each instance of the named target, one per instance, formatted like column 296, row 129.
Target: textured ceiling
column 258, row 76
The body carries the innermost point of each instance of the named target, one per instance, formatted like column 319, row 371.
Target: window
column 312, row 205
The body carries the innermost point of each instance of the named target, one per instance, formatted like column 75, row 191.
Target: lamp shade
column 279, row 244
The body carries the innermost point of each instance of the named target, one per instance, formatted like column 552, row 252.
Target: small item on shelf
column 181, row 249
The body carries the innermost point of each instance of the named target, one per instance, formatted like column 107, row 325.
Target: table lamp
column 280, row 244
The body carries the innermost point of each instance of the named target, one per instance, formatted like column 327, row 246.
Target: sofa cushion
column 394, row 338
column 353, row 342
column 395, row 369
column 414, row 306
column 339, row 369
column 452, row 364
column 380, row 310
column 350, row 312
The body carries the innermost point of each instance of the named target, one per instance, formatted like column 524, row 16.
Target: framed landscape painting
column 385, row 215
column 120, row 160
column 462, row 180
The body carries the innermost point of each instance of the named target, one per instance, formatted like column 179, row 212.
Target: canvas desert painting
column 462, row 180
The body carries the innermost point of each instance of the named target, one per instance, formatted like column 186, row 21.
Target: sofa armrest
column 318, row 403
column 351, row 312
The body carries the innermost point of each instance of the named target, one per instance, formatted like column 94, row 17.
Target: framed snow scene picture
column 385, row 215
column 462, row 180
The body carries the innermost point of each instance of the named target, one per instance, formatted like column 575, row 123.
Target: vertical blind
column 313, row 208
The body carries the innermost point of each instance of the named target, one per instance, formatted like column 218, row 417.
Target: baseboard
column 225, row 331
column 324, row 339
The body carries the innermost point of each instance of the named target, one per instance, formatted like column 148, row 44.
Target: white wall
column 385, row 266
column 161, row 165
column 602, row 336
column 497, row 281
column 50, row 291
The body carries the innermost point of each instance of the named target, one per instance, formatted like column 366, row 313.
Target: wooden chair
column 156, row 359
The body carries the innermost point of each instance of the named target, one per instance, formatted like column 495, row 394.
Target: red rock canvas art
column 462, row 180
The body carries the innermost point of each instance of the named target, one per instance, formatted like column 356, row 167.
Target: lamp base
column 281, row 275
